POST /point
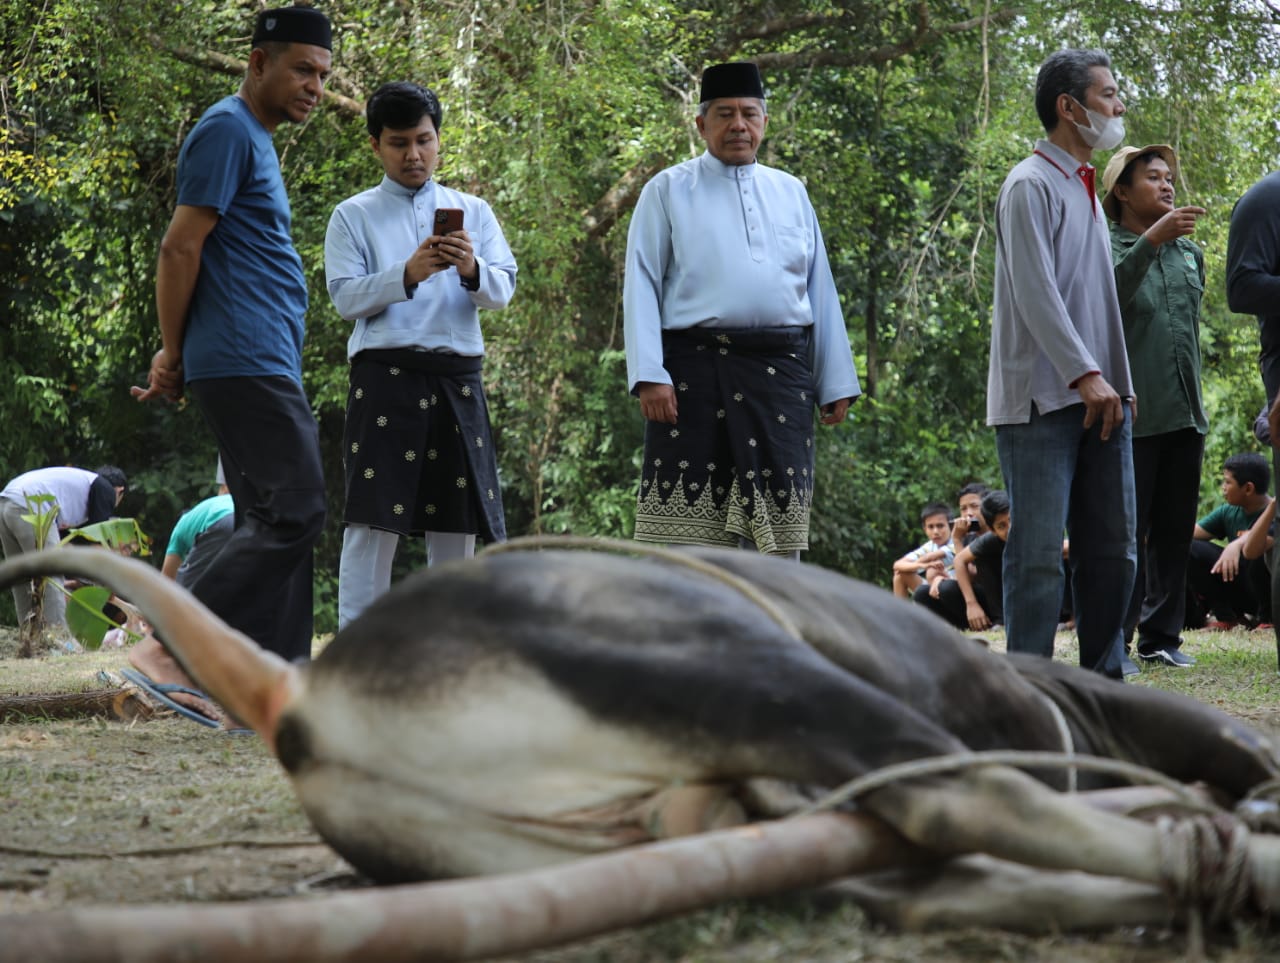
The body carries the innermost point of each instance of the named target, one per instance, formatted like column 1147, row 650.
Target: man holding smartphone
column 733, row 334
column 412, row 262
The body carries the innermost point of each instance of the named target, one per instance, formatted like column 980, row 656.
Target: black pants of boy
column 1246, row 595
column 261, row 580
column 950, row 603
column 204, row 549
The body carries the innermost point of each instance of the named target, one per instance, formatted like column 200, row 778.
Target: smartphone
column 448, row 220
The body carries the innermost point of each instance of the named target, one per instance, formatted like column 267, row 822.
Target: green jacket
column 1160, row 290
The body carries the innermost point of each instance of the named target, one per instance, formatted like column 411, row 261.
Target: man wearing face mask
column 1059, row 391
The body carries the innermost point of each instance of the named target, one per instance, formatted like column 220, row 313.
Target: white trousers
column 364, row 571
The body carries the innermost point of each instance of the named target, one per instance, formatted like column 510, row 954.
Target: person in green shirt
column 198, row 535
column 1235, row 587
column 1159, row 282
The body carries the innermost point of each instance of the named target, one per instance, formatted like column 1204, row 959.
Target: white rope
column 1018, row 758
column 1203, row 858
column 1204, row 867
column 617, row 546
column 1068, row 744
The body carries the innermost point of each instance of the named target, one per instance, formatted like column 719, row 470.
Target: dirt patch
column 96, row 810
column 166, row 811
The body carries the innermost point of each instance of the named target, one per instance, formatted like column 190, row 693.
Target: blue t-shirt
column 248, row 310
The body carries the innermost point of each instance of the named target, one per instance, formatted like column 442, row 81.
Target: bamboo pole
column 474, row 918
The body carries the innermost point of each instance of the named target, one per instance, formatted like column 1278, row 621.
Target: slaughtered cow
column 548, row 712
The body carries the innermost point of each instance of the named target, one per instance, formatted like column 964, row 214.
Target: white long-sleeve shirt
column 372, row 234
column 83, row 497
column 723, row 246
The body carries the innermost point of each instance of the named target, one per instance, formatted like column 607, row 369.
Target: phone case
column 448, row 220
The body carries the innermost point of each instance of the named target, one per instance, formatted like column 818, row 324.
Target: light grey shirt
column 726, row 246
column 372, row 234
column 70, row 488
column 1056, row 316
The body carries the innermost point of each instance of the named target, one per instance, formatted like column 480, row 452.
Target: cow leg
column 982, row 891
column 1007, row 814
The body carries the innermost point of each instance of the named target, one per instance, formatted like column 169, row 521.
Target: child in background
column 1222, row 579
column 969, row 523
column 1258, row 544
column 912, row 569
column 974, row 597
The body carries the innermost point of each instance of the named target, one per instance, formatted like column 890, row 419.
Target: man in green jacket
column 1159, row 281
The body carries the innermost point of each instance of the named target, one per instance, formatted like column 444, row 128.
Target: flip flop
column 160, row 692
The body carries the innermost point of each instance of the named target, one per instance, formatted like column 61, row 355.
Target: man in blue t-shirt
column 232, row 300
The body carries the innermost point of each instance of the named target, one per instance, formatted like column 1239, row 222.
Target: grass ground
column 96, row 812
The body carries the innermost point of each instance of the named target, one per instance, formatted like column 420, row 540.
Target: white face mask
column 1103, row 133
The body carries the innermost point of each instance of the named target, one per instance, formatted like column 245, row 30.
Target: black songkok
column 293, row 25
column 731, row 80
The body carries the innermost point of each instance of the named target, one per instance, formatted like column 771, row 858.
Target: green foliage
column 121, row 535
column 871, row 486
column 902, row 118
column 42, row 515
column 85, row 617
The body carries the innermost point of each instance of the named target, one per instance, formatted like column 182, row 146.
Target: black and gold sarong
column 738, row 464
column 418, row 451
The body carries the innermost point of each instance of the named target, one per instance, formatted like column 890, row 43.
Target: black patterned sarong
column 739, row 462
column 417, row 450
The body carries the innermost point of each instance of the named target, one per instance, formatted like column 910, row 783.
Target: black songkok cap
column 293, row 25
column 731, row 80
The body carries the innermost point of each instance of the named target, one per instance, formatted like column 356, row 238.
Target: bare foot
column 154, row 661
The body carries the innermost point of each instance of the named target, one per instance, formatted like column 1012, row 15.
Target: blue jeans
column 1058, row 476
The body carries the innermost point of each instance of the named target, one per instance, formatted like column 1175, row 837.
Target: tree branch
column 621, row 197
column 781, row 27
column 923, row 33
column 222, row 64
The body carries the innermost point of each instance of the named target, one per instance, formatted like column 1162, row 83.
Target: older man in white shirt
column 418, row 449
column 733, row 333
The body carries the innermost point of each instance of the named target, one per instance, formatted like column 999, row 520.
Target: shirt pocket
column 1193, row 273
column 793, row 247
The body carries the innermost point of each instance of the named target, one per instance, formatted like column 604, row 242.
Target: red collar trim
column 1086, row 173
column 1051, row 161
